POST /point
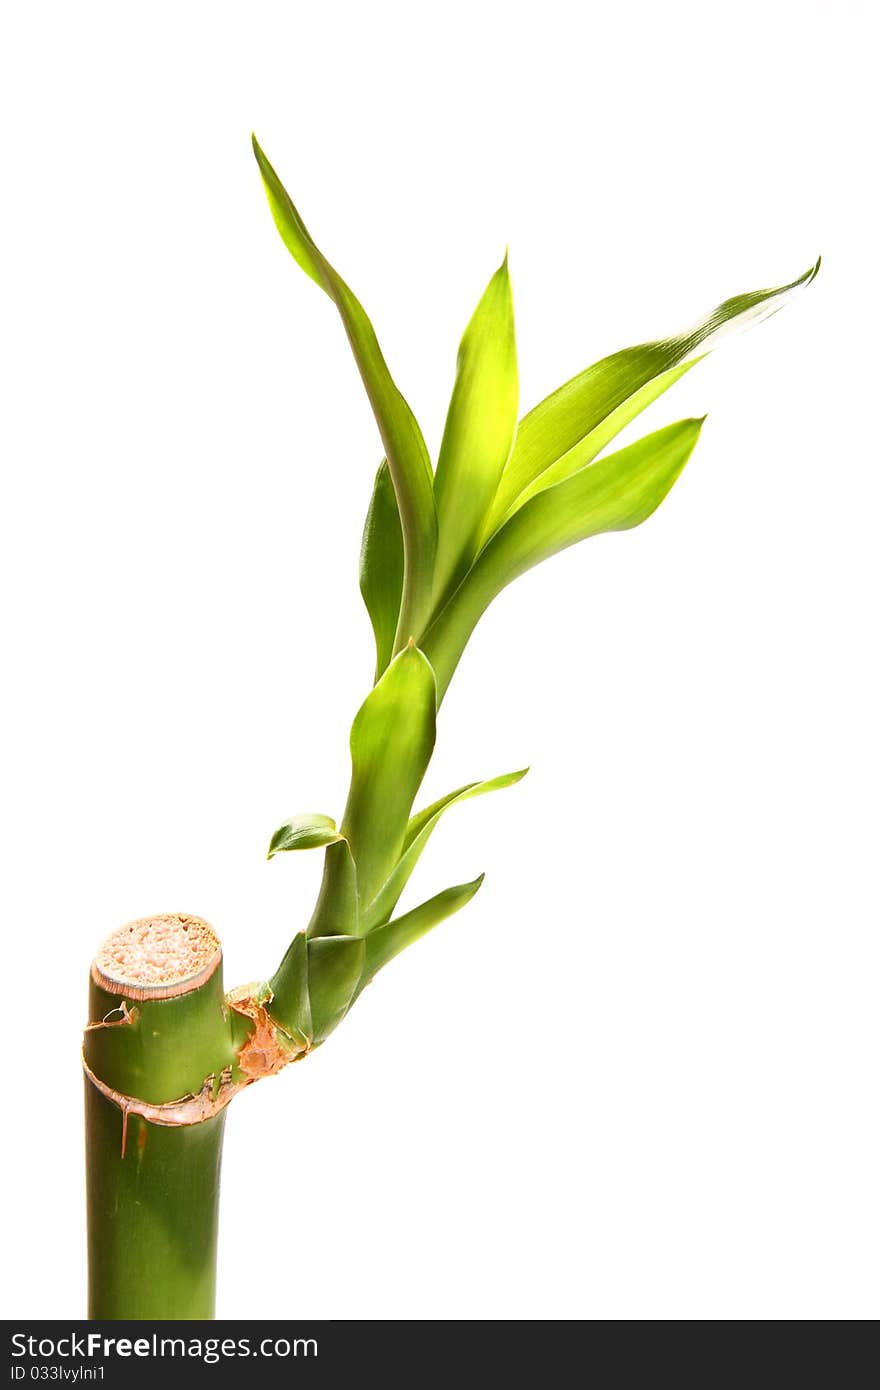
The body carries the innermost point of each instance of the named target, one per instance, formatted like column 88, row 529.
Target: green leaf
column 336, row 911
column 381, row 570
column 593, row 443
column 418, row 833
column 615, row 493
column 392, row 739
column 387, row 941
column 479, row 433
column 304, row 832
column 336, row 965
column 289, row 985
column 404, row 446
column 565, row 420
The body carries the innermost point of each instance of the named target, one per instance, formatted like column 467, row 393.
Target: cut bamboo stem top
column 157, row 957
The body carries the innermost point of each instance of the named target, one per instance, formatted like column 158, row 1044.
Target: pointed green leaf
column 418, row 833
column 304, row 832
column 404, row 446
column 336, row 965
column 615, row 493
column 593, row 443
column 479, row 433
column 565, row 420
column 336, row 911
column 381, row 570
column 392, row 739
column 388, row 941
column 289, row 985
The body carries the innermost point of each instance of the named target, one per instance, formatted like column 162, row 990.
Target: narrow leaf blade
column 479, row 433
column 381, row 567
column 592, row 444
column 405, row 448
column 418, row 833
column 386, row 942
column 615, row 493
column 565, row 419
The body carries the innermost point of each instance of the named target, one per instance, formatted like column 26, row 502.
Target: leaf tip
column 501, row 279
column 258, row 153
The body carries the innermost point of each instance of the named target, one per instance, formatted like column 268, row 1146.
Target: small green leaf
column 290, row 991
column 392, row 739
column 381, row 569
column 336, row 965
column 418, row 833
column 479, row 433
column 615, row 493
column 336, row 910
column 404, row 446
column 388, row 941
column 565, row 420
column 304, row 832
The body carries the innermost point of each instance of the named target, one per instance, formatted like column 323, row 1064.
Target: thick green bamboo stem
column 152, row 1215
column 160, row 1066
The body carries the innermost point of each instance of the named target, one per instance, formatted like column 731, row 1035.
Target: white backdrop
column 636, row 1078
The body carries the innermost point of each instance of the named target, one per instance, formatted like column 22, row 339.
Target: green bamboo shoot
column 165, row 1049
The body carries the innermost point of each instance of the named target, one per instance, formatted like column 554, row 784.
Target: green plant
column 166, row 1049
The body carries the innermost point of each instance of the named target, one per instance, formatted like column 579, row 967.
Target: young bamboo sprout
column 165, row 1050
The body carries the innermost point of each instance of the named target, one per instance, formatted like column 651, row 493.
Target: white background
column 637, row 1077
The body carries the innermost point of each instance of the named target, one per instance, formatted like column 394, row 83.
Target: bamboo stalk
column 159, row 1070
column 152, row 1215
column 165, row 1051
